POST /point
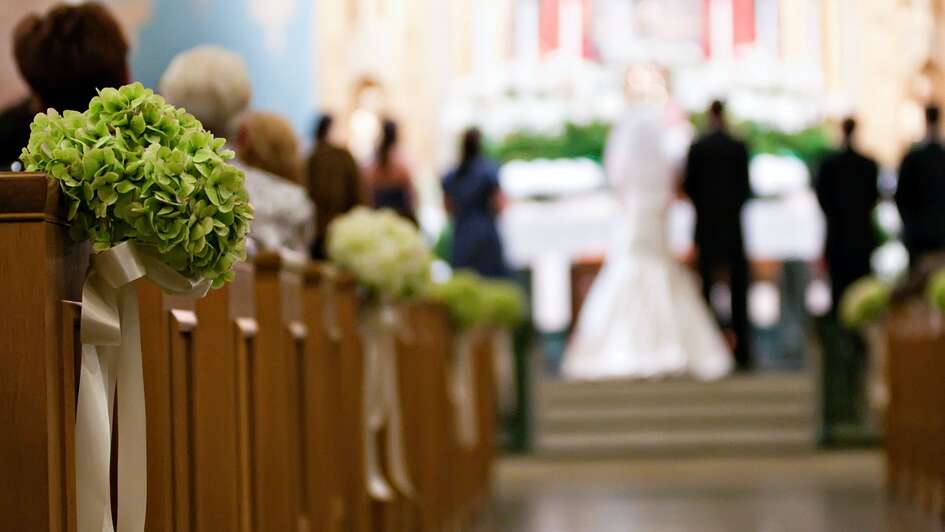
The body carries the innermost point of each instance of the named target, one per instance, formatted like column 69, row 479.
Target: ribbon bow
column 111, row 360
column 382, row 403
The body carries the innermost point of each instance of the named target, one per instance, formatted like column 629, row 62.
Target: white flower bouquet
column 384, row 251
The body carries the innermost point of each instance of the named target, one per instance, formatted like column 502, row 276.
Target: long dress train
column 644, row 316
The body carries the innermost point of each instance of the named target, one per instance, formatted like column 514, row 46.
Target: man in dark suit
column 334, row 182
column 716, row 181
column 920, row 194
column 847, row 188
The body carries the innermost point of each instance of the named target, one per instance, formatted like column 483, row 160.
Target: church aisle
column 825, row 492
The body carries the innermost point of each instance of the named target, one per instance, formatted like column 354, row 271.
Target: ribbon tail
column 132, row 426
column 329, row 313
column 503, row 358
column 93, row 445
column 373, row 417
column 463, row 390
column 395, row 439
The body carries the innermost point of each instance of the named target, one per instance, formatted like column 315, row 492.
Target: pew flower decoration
column 477, row 306
column 384, row 251
column 505, row 304
column 152, row 191
column 935, row 290
column 134, row 168
column 864, row 302
column 389, row 258
column 473, row 301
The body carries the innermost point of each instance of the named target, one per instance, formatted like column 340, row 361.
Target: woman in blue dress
column 474, row 199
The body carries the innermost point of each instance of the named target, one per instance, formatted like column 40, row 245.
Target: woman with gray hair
column 213, row 84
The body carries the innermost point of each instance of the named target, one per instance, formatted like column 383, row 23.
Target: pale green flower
column 935, row 290
column 864, row 301
column 133, row 167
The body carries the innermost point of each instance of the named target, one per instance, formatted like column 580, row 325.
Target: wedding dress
column 644, row 316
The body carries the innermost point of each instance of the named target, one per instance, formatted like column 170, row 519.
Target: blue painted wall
column 283, row 76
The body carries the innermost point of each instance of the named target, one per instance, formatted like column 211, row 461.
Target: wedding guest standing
column 213, row 84
column 717, row 182
column 920, row 194
column 473, row 198
column 847, row 188
column 334, row 182
column 64, row 56
column 388, row 178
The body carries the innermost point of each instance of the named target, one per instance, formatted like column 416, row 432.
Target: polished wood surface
column 39, row 269
column 278, row 454
column 323, row 424
column 915, row 424
column 223, row 349
column 357, row 517
column 167, row 326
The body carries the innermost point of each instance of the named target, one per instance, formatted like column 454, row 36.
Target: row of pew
column 253, row 395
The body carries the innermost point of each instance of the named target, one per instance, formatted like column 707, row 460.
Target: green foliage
column 133, row 167
column 935, row 290
column 475, row 301
column 505, row 303
column 865, row 301
column 809, row 145
column 575, row 141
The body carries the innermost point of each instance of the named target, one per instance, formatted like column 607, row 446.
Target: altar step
column 678, row 417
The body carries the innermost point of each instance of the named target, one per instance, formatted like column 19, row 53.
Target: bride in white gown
column 644, row 316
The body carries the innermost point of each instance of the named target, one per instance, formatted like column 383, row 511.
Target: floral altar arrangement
column 391, row 262
column 478, row 306
column 152, row 191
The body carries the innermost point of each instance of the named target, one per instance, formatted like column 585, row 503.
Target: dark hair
column 388, row 140
column 471, row 147
column 848, row 126
column 931, row 114
column 69, row 53
column 323, row 127
column 717, row 108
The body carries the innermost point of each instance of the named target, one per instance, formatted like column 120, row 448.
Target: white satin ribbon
column 111, row 362
column 329, row 306
column 503, row 352
column 463, row 388
column 381, row 406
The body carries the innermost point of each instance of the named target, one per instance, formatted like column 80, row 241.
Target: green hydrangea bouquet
column 935, row 289
column 864, row 302
column 133, row 167
column 473, row 301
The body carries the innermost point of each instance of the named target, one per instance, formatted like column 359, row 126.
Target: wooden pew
column 279, row 496
column 323, row 426
column 915, row 423
column 39, row 268
column 427, row 428
column 486, row 418
column 224, row 353
column 167, row 327
column 356, row 516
